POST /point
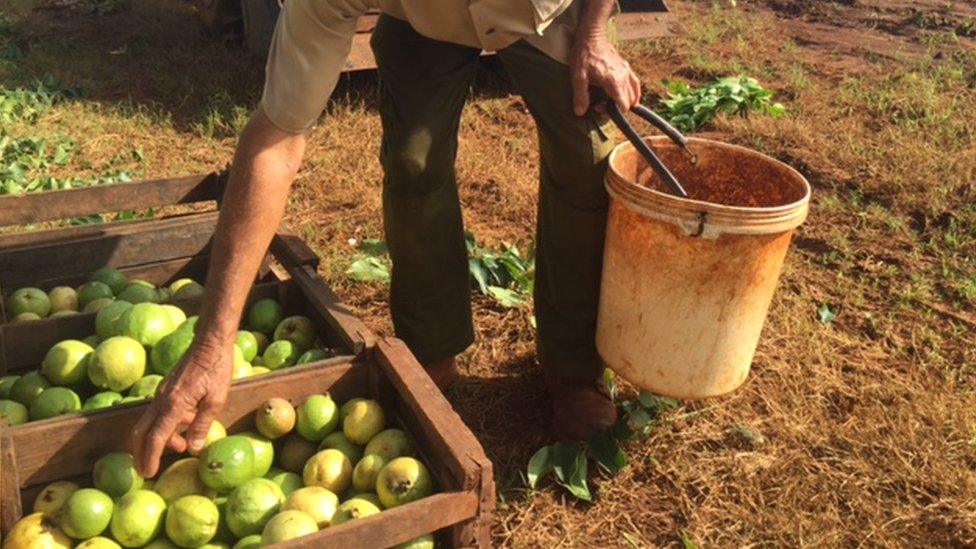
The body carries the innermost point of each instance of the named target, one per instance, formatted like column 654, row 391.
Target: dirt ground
column 867, row 425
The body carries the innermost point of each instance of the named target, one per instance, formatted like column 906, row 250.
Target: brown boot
column 443, row 372
column 580, row 407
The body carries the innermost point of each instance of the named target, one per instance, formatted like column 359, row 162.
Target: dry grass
column 868, row 423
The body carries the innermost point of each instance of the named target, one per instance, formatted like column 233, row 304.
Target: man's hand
column 595, row 62
column 189, row 400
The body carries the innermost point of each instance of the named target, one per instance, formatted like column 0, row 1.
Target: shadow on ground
column 155, row 57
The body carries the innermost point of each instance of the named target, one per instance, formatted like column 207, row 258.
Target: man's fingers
column 155, row 441
column 581, row 93
column 636, row 86
column 196, row 434
column 177, row 443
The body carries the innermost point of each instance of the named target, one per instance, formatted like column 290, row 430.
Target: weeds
column 507, row 276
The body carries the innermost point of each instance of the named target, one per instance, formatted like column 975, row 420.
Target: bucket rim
column 713, row 207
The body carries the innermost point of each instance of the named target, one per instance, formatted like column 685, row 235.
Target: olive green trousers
column 423, row 86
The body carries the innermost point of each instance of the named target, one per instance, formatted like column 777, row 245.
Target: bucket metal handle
column 649, row 155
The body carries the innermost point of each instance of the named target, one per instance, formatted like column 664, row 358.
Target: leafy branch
column 688, row 108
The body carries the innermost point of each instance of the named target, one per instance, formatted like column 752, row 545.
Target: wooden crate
column 34, row 454
column 159, row 250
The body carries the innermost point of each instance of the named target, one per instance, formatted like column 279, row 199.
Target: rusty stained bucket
column 687, row 282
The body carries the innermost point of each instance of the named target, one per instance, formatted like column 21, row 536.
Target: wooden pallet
column 35, row 454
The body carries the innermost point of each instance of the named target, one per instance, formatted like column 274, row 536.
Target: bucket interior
column 724, row 174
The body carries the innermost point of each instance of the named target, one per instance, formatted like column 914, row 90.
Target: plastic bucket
column 687, row 282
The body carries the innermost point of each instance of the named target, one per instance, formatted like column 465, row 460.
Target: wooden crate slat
column 347, row 325
column 290, row 249
column 46, row 206
column 126, row 245
column 10, row 503
column 396, row 525
column 67, row 446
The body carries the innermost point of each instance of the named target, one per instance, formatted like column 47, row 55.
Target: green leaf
column 825, row 314
column 570, row 467
column 368, row 269
column 603, row 448
column 750, row 434
column 479, row 274
column 539, row 466
column 505, row 297
column 372, row 247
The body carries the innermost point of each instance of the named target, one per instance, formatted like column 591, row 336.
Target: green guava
column 352, row 509
column 116, row 475
column 247, row 343
column 346, row 406
column 90, row 291
column 251, row 505
column 263, row 452
column 389, row 444
column 37, row 530
column 54, row 401
column 275, row 418
column 215, row 432
column 368, row 496
column 286, row 480
column 29, row 300
column 13, row 412
column 314, row 501
column 146, row 386
column 295, row 451
column 339, row 441
column 280, row 354
column 98, row 542
column 192, row 290
column 6, row 383
column 330, row 469
column 104, row 399
column 316, row 417
column 176, row 316
column 168, row 351
column 227, row 463
column 96, row 305
column 117, row 363
column 264, row 315
column 364, row 420
column 86, row 513
column 297, row 329
column 27, row 387
column 53, row 496
column 191, row 521
column 112, row 278
column 287, row 525
column 262, row 340
column 139, row 292
column 147, row 323
column 138, row 518
column 313, row 355
column 365, row 472
column 403, row 480
column 108, row 320
column 250, row 542
column 66, row 363
column 63, row 298
column 181, row 479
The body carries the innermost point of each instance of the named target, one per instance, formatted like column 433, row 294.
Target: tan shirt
column 313, row 38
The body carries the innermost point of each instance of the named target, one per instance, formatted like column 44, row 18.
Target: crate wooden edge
column 30, row 208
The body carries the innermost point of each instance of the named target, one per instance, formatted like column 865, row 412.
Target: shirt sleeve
column 311, row 43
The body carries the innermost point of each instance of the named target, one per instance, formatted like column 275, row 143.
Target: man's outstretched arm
column 265, row 164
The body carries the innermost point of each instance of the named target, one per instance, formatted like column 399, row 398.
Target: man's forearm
column 265, row 164
column 593, row 18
